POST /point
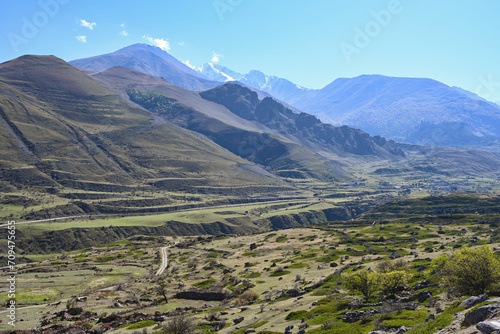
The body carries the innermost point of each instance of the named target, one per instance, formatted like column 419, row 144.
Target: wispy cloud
column 86, row 24
column 123, row 32
column 159, row 42
column 180, row 43
column 189, row 64
column 82, row 39
column 216, row 57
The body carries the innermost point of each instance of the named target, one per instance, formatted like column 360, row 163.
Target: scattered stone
column 430, row 318
column 118, row 305
column 75, row 311
column 333, row 265
column 481, row 314
column 422, row 296
column 253, row 246
column 288, row 329
column 302, row 331
column 487, row 327
column 293, row 293
column 402, row 330
column 474, row 300
column 249, row 330
column 296, row 251
column 304, row 325
column 238, row 320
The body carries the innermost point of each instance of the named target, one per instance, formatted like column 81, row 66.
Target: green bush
column 470, row 271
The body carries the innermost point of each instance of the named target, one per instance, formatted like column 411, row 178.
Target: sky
column 310, row 43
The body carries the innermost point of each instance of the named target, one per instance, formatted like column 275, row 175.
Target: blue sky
column 308, row 42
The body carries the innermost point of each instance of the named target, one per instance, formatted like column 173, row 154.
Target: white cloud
column 86, row 24
column 124, row 33
column 216, row 57
column 122, row 25
column 181, row 43
column 82, row 39
column 189, row 65
column 159, row 42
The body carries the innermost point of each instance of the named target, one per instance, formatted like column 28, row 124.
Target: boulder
column 238, row 320
column 293, row 293
column 422, row 296
column 474, row 300
column 430, row 318
column 302, row 331
column 249, row 330
column 75, row 311
column 481, row 314
column 402, row 330
column 487, row 327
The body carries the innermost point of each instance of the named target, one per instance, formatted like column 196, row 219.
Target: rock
column 75, row 311
column 474, row 300
column 296, row 251
column 288, row 329
column 238, row 320
column 302, row 331
column 481, row 314
column 333, row 265
column 117, row 305
column 430, row 318
column 402, row 330
column 487, row 327
column 422, row 296
column 293, row 293
column 305, row 325
column 249, row 330
column 253, row 246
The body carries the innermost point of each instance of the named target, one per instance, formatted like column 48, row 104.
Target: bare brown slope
column 68, row 129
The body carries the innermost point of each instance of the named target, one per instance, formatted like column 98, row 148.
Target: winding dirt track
column 164, row 260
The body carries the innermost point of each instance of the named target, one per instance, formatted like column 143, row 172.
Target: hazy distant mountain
column 151, row 60
column 396, row 108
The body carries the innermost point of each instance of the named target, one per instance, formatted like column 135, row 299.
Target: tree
column 470, row 271
column 161, row 288
column 180, row 324
column 367, row 283
column 393, row 281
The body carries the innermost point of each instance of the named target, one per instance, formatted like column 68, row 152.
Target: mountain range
column 122, row 128
column 414, row 110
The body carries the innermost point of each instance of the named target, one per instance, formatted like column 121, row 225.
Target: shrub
column 179, row 325
column 394, row 281
column 470, row 271
column 246, row 298
column 365, row 282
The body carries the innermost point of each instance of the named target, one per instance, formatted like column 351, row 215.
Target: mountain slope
column 60, row 127
column 247, row 138
column 151, row 60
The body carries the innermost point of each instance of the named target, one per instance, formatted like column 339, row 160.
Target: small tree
column 180, row 324
column 161, row 289
column 470, row 271
column 362, row 281
column 393, row 281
